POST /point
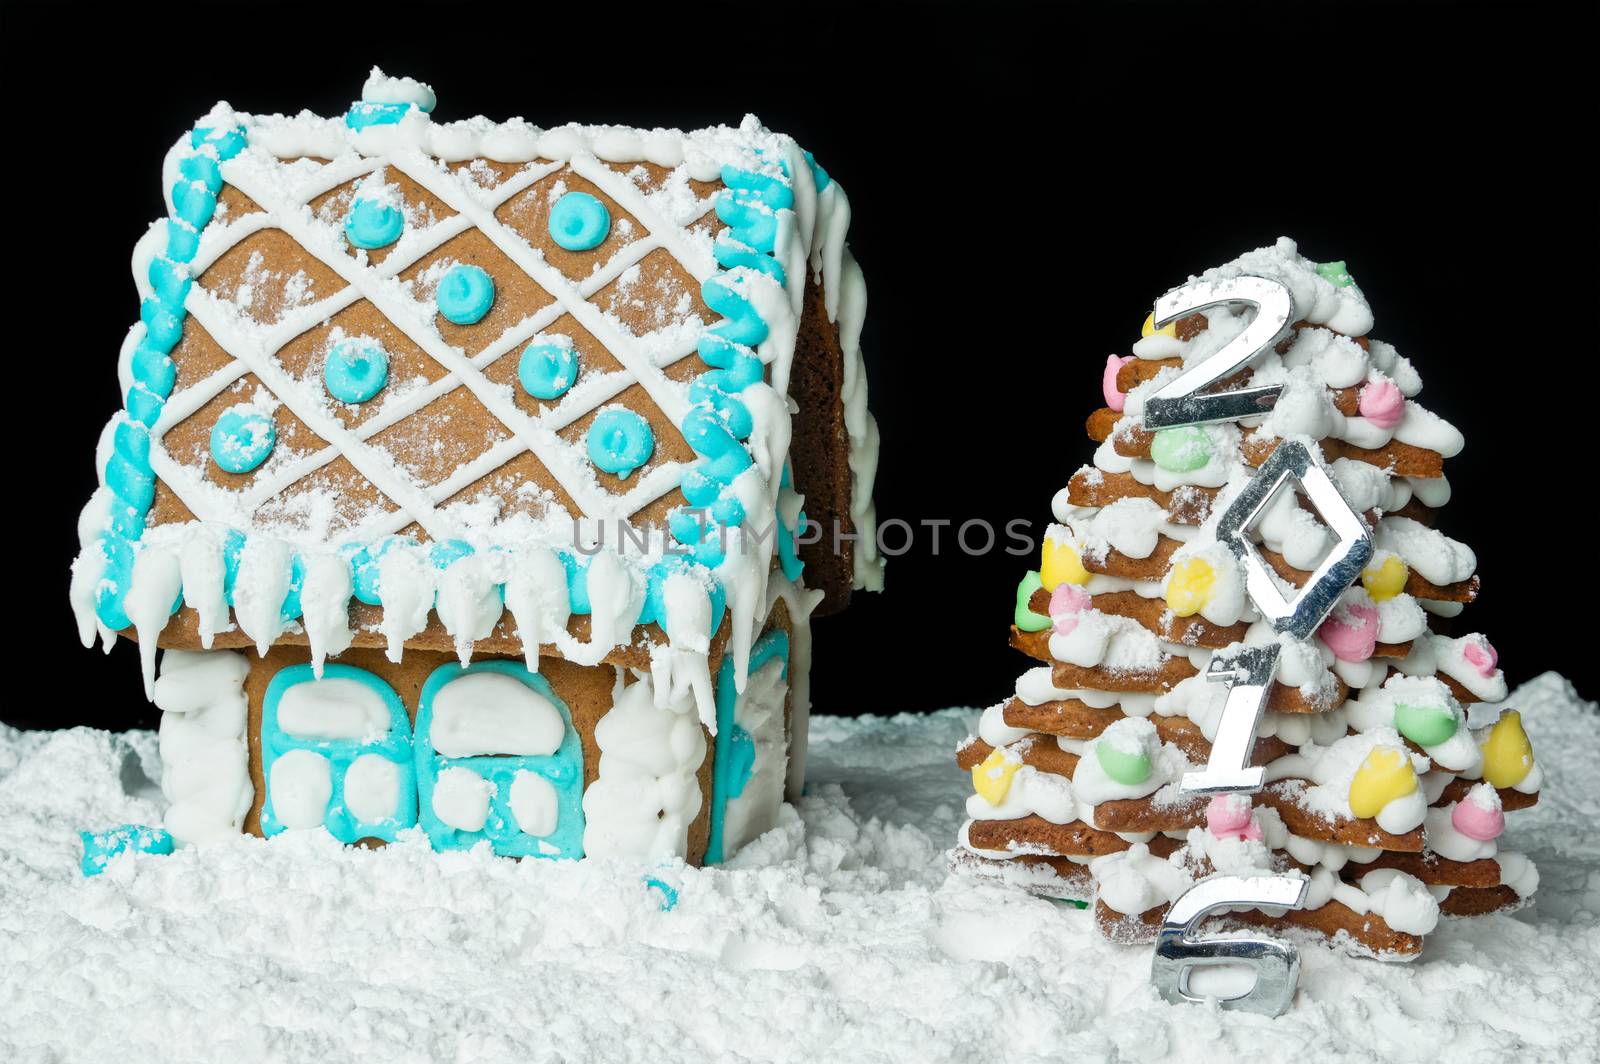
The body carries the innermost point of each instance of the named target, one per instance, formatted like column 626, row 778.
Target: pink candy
column 1476, row 822
column 1108, row 383
column 1229, row 816
column 1481, row 655
column 1066, row 602
column 1382, row 404
column 1351, row 642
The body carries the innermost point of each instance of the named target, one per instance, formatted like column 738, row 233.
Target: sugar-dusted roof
column 455, row 367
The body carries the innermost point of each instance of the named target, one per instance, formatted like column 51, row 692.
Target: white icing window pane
column 461, row 799
column 534, row 803
column 300, row 786
column 491, row 713
column 372, row 788
column 333, row 708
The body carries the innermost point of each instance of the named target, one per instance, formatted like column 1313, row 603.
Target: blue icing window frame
column 563, row 770
column 396, row 746
column 733, row 761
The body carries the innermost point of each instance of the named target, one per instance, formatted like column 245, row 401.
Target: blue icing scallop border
column 128, row 475
column 718, row 422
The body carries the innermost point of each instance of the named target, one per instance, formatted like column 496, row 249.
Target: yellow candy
column 992, row 779
column 1384, row 776
column 1149, row 328
column 1060, row 565
column 1189, row 588
column 1387, row 580
column 1507, row 754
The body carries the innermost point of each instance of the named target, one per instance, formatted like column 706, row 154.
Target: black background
column 1025, row 182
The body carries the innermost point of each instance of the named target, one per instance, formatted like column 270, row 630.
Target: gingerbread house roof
column 481, row 385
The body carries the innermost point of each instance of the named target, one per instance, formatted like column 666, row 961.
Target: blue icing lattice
column 620, row 441
column 465, row 294
column 372, row 224
column 563, row 770
column 99, row 847
column 579, row 222
column 548, row 369
column 395, row 746
column 355, row 370
column 734, row 759
column 128, row 474
column 241, row 439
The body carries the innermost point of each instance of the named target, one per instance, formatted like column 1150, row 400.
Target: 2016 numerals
column 1250, row 673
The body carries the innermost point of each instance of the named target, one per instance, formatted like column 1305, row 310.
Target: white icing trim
column 205, row 770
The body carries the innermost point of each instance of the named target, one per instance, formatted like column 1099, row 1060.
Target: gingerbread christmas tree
column 1388, row 765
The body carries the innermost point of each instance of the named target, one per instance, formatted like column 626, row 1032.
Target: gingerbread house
column 464, row 475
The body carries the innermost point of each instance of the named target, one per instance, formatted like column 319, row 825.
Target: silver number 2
column 1181, row 401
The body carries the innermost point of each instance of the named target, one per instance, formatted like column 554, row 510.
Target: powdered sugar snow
column 838, row 936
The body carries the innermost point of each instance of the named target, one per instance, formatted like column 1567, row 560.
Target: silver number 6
column 1276, row 964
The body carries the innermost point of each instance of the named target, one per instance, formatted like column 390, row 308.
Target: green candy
column 1335, row 274
column 1130, row 769
column 1024, row 617
column 1425, row 725
column 1181, row 450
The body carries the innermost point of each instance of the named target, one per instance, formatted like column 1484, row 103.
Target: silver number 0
column 1248, row 674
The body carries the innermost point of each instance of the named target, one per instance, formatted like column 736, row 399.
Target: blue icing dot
column 669, row 896
column 193, row 202
column 153, row 369
column 100, row 847
column 132, row 441
column 170, row 280
column 114, row 580
column 446, row 553
column 364, row 568
column 130, row 483
column 143, row 405
column 242, row 438
column 465, row 295
column 579, row 222
column 620, row 441
column 577, row 567
column 232, row 550
column 374, row 225
column 204, row 169
column 356, row 370
column 226, row 142
column 818, row 174
column 548, row 369
column 183, row 240
column 163, row 324
column 291, row 607
column 364, row 113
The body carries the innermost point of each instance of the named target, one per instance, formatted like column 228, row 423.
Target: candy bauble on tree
column 1386, row 772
